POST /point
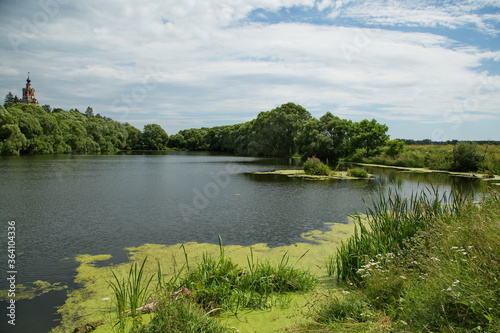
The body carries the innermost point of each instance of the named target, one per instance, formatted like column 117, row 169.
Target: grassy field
column 437, row 157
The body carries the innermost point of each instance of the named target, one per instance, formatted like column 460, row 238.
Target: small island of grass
column 314, row 169
column 297, row 173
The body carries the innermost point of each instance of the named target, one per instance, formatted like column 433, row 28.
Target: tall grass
column 439, row 275
column 219, row 284
column 182, row 316
column 131, row 293
column 386, row 229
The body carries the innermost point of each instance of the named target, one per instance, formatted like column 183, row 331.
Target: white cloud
column 426, row 13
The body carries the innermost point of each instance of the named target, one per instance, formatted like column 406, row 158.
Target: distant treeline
column 285, row 131
column 449, row 142
column 32, row 129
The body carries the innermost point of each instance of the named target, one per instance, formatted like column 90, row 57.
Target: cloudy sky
column 427, row 69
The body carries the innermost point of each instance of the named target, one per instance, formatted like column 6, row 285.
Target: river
column 65, row 205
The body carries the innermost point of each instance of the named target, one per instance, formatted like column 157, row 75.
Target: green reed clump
column 131, row 293
column 388, row 225
column 455, row 272
column 348, row 307
column 220, row 284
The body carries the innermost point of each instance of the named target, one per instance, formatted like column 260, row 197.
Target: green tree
column 369, row 135
column 47, row 108
column 154, row 137
column 466, row 157
column 134, row 137
column 13, row 141
column 274, row 132
column 9, row 100
column 327, row 138
column 395, row 147
column 89, row 112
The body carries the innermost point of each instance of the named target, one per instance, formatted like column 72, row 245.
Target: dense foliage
column 313, row 166
column 31, row 129
column 284, row 131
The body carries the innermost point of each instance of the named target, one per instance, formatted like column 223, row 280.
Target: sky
column 427, row 69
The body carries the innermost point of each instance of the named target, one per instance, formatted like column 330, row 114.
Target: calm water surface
column 74, row 204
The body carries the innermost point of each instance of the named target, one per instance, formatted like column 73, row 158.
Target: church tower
column 29, row 93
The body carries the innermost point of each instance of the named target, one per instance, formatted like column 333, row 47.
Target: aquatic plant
column 358, row 173
column 131, row 293
column 387, row 227
column 219, row 284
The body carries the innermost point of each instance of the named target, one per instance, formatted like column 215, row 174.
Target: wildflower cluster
column 376, row 265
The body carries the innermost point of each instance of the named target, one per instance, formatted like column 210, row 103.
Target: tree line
column 282, row 132
column 32, row 129
column 285, row 131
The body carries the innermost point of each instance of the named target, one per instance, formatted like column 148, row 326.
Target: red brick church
column 29, row 93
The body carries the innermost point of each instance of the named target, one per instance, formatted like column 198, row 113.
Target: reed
column 219, row 284
column 388, row 226
column 131, row 293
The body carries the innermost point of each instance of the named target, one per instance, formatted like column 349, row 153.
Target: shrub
column 313, row 166
column 358, row 173
column 466, row 157
column 395, row 147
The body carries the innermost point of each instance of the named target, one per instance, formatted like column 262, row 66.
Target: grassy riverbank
column 427, row 263
column 436, row 157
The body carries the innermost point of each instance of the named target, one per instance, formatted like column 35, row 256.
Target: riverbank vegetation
column 425, row 263
column 459, row 156
column 428, row 263
column 32, row 129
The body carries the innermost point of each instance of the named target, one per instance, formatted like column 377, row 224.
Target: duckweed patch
column 31, row 290
column 95, row 300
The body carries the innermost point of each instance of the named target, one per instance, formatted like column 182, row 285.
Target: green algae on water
column 31, row 290
column 95, row 299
